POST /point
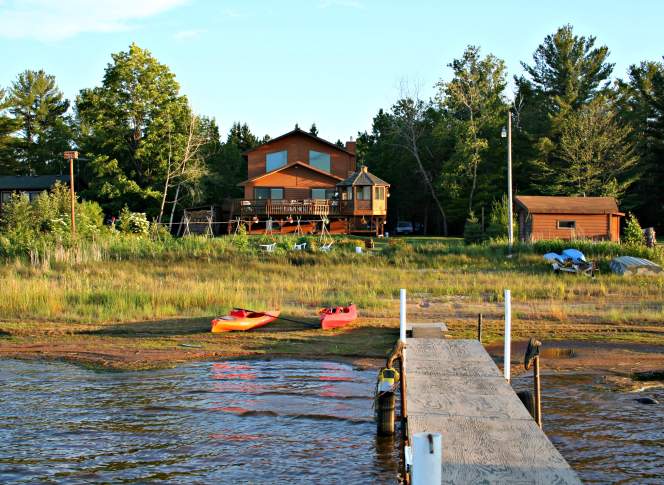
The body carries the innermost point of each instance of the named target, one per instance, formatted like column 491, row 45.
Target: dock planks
column 454, row 388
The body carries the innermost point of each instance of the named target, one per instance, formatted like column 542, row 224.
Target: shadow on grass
column 153, row 328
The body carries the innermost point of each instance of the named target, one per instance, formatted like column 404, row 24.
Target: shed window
column 276, row 160
column 566, row 224
column 319, row 160
column 262, row 193
column 380, row 193
column 364, row 193
column 6, row 197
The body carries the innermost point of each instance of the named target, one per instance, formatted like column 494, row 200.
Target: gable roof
column 568, row 205
column 30, row 182
column 363, row 177
column 298, row 131
column 285, row 167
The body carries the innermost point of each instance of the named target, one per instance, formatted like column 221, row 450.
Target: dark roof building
column 31, row 185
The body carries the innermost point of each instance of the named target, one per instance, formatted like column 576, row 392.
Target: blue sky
column 333, row 62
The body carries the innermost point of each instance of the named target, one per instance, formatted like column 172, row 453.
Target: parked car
column 404, row 227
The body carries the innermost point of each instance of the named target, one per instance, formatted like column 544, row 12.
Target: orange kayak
column 243, row 320
column 336, row 317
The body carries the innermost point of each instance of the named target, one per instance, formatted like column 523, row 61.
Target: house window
column 262, row 193
column 380, row 193
column 276, row 160
column 322, row 193
column 319, row 160
column 566, row 224
column 364, row 193
column 6, row 197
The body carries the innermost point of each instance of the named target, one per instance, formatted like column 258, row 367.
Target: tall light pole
column 508, row 133
column 71, row 156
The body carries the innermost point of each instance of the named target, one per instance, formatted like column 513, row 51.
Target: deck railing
column 282, row 207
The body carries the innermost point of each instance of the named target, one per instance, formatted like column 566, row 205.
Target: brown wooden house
column 557, row 217
column 299, row 175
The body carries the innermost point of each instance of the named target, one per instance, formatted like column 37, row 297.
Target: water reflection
column 229, row 422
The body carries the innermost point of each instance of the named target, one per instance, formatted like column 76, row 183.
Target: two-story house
column 300, row 175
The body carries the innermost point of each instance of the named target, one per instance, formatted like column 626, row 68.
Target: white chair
column 326, row 247
column 300, row 247
column 268, row 248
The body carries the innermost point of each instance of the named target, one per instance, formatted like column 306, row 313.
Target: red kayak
column 335, row 317
column 243, row 320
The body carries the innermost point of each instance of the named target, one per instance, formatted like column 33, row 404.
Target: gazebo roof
column 363, row 177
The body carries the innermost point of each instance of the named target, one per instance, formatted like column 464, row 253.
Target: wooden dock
column 454, row 388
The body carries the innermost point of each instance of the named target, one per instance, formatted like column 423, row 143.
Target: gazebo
column 363, row 197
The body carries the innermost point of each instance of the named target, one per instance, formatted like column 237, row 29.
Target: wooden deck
column 454, row 388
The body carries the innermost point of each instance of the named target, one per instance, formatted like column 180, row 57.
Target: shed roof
column 30, row 182
column 536, row 204
column 363, row 177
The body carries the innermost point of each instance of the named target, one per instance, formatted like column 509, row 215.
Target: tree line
column 576, row 131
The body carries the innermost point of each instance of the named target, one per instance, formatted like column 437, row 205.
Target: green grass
column 152, row 295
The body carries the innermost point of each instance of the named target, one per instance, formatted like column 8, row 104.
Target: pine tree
column 313, row 130
column 633, row 234
column 8, row 126
column 39, row 108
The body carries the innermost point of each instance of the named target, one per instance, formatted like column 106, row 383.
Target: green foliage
column 135, row 120
column 241, row 238
column 133, row 222
column 472, row 231
column 633, row 234
column 39, row 111
column 498, row 219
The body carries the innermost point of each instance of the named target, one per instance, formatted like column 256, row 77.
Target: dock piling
column 508, row 336
column 402, row 315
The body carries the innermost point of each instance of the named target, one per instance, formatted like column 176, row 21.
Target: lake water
column 268, row 422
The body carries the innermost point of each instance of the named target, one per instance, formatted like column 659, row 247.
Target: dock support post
column 427, row 459
column 402, row 315
column 508, row 337
column 538, row 393
column 479, row 327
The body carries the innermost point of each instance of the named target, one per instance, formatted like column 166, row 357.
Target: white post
column 427, row 459
column 510, row 236
column 402, row 315
column 508, row 337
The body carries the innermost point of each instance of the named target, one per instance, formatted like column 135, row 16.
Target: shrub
column 633, row 234
column 133, row 222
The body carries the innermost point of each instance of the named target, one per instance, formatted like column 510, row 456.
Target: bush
column 133, row 222
column 472, row 231
column 633, row 234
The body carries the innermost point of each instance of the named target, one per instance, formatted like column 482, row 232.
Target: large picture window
column 364, row 193
column 276, row 160
column 319, row 160
column 262, row 193
column 322, row 193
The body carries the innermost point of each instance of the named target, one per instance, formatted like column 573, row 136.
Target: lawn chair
column 300, row 247
column 268, row 248
column 571, row 261
column 326, row 247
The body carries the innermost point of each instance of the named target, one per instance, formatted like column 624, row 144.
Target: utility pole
column 510, row 235
column 507, row 133
column 71, row 156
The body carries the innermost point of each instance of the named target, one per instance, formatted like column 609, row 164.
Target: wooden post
column 538, row 395
column 507, row 360
column 73, row 200
column 402, row 315
column 479, row 327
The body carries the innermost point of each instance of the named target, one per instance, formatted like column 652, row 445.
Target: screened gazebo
column 363, row 198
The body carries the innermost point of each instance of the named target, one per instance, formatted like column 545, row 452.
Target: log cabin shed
column 558, row 217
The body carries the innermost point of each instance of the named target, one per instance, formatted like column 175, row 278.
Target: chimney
column 350, row 146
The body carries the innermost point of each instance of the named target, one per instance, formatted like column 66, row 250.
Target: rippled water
column 270, row 422
column 606, row 436
column 231, row 422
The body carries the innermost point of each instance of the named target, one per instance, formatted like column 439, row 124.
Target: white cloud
column 48, row 20
column 188, row 34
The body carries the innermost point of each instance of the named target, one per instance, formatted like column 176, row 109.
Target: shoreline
column 619, row 366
